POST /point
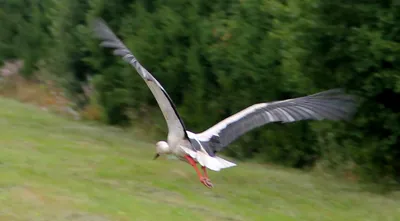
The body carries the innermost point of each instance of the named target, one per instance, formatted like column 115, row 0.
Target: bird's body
column 202, row 147
column 194, row 148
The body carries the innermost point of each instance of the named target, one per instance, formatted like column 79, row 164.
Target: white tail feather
column 212, row 163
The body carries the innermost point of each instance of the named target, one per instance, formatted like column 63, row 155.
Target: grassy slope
column 55, row 169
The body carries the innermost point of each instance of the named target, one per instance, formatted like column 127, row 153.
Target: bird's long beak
column 156, row 156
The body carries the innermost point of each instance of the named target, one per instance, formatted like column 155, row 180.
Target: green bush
column 215, row 59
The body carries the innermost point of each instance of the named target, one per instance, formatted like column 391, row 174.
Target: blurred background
column 215, row 58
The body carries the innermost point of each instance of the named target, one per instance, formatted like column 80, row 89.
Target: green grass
column 54, row 169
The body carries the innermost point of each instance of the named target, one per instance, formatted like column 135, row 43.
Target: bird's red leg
column 203, row 180
column 205, row 171
column 206, row 175
column 193, row 163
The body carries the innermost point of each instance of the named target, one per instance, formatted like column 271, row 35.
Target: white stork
column 202, row 147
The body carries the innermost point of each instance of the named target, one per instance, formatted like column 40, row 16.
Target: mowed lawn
column 52, row 168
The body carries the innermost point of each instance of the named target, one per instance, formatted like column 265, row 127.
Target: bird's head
column 162, row 147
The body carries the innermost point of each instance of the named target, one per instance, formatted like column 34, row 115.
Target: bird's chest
column 176, row 147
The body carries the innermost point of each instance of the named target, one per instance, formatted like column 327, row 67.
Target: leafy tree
column 216, row 58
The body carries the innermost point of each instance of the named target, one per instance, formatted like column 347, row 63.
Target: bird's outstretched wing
column 331, row 105
column 175, row 124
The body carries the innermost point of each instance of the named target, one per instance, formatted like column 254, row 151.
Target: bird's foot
column 206, row 182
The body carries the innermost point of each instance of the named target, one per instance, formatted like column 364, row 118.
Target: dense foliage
column 216, row 58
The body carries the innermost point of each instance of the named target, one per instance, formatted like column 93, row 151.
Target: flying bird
column 202, row 147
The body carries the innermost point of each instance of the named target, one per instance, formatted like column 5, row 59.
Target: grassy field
column 54, row 169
